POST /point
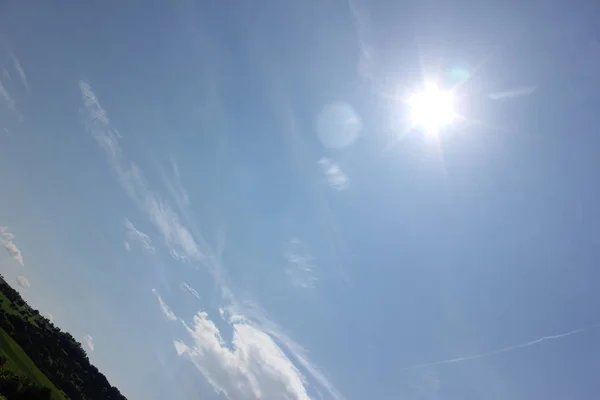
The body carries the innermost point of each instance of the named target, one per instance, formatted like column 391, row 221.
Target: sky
column 224, row 200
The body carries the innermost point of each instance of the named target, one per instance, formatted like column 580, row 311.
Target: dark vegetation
column 39, row 361
column 16, row 386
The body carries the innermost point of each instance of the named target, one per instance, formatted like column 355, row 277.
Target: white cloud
column 300, row 266
column 190, row 290
column 20, row 71
column 164, row 307
column 14, row 251
column 257, row 345
column 6, row 240
column 336, row 178
column 176, row 236
column 23, row 282
column 138, row 236
column 180, row 347
column 88, row 341
column 253, row 367
column 50, row 317
column 127, row 246
column 257, row 318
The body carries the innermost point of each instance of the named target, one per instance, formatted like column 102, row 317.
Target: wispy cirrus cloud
column 262, row 363
column 166, row 310
column 176, row 186
column 299, row 264
column 336, row 178
column 88, row 341
column 6, row 239
column 190, row 290
column 253, row 367
column 8, row 100
column 177, row 237
column 135, row 235
column 23, row 282
column 363, row 27
column 20, row 71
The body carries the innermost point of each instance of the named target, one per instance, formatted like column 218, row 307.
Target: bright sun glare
column 431, row 109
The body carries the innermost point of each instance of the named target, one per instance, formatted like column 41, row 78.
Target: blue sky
column 224, row 201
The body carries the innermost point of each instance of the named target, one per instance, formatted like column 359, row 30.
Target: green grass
column 20, row 362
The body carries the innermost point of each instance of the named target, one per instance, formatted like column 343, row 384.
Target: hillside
column 37, row 354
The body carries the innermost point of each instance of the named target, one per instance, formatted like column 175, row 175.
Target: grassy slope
column 20, row 362
column 21, row 311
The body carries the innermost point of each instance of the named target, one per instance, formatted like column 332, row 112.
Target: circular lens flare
column 431, row 109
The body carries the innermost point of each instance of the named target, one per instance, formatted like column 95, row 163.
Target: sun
column 431, row 109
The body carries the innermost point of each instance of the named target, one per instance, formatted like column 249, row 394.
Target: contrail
column 500, row 351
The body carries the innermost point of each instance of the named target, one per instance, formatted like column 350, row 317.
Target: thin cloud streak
column 300, row 265
column 177, row 237
column 20, row 71
column 500, row 351
column 508, row 94
column 166, row 310
column 177, row 187
column 181, row 200
column 362, row 25
column 191, row 290
column 8, row 100
column 140, row 237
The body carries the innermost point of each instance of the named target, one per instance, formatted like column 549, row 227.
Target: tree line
column 56, row 353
